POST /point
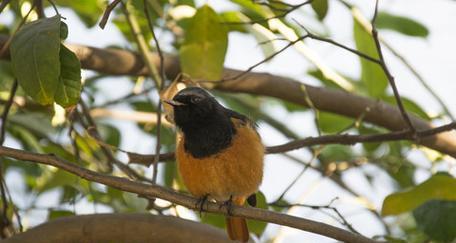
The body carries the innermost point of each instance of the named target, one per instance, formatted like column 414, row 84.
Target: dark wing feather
column 239, row 116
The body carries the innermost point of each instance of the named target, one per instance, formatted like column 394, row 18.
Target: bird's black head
column 193, row 106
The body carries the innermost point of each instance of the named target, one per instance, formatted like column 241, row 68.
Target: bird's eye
column 196, row 99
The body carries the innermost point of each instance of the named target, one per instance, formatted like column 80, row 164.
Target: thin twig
column 159, row 88
column 345, row 139
column 388, row 73
column 93, row 131
column 342, row 219
column 3, row 5
column 3, row 187
column 330, row 41
column 5, row 47
column 284, row 14
column 419, row 77
column 107, row 12
column 258, row 63
column 6, row 110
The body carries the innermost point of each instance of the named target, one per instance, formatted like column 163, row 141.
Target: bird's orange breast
column 234, row 171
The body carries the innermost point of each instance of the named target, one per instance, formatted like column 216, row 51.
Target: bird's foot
column 229, row 206
column 200, row 203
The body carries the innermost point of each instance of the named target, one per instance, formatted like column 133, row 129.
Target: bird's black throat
column 208, row 138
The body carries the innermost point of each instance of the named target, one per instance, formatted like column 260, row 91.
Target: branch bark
column 155, row 191
column 122, row 62
column 121, row 228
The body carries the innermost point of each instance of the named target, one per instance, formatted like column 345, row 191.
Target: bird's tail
column 237, row 226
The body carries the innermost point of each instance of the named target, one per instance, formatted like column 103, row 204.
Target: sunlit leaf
column 45, row 69
column 401, row 24
column 372, row 74
column 206, row 40
column 35, row 58
column 439, row 186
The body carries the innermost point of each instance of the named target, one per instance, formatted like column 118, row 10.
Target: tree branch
column 122, row 62
column 120, row 228
column 149, row 190
column 346, row 139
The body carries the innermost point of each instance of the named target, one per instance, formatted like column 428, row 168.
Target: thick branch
column 156, row 191
column 120, row 228
column 122, row 62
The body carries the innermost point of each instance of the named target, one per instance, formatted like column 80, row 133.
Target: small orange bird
column 219, row 153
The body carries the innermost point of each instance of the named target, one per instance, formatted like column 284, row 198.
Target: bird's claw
column 229, row 206
column 200, row 203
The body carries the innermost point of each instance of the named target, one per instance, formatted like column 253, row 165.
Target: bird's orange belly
column 235, row 171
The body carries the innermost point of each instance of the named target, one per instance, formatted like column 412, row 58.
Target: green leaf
column 88, row 11
column 439, row 186
column 53, row 214
column 365, row 130
column 110, row 134
column 332, row 123
column 69, row 87
column 35, row 58
column 63, row 30
column 258, row 227
column 401, row 24
column 320, row 7
column 52, row 179
column 206, row 40
column 336, row 152
column 437, row 218
column 372, row 74
column 234, row 16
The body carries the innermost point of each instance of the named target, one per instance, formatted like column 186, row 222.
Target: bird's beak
column 174, row 103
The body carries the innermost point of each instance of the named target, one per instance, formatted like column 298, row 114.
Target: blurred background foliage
column 422, row 212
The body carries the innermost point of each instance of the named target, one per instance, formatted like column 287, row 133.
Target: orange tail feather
column 237, row 226
column 237, row 229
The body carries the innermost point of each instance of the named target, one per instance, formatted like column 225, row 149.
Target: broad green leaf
column 206, row 40
column 439, row 186
column 410, row 106
column 437, row 218
column 258, row 227
column 53, row 214
column 63, row 30
column 372, row 74
column 35, row 58
column 320, row 7
column 332, row 123
column 69, row 87
column 401, row 24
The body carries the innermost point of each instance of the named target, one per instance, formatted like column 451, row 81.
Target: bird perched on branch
column 219, row 153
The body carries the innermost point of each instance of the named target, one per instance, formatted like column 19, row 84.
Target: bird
column 219, row 153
